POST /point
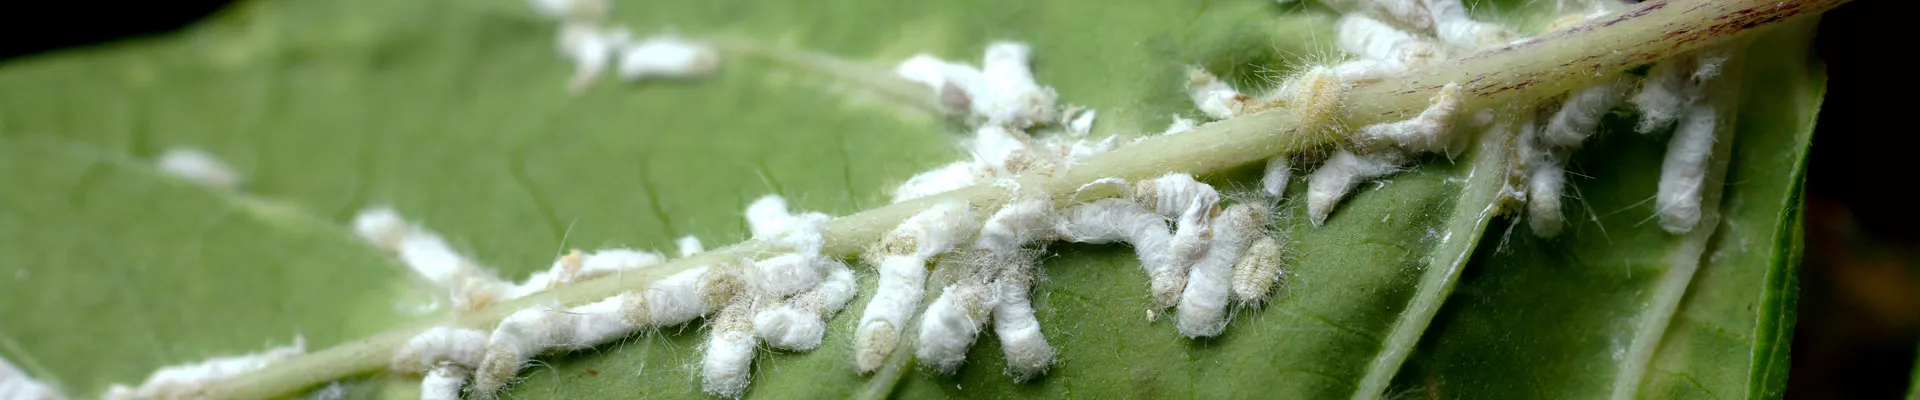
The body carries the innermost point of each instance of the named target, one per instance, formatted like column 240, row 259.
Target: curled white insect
column 1025, row 347
column 1331, row 182
column 1683, row 172
column 1377, row 41
column 535, row 330
column 1431, row 131
column 727, row 368
column 951, row 324
column 901, row 257
column 1452, row 24
column 1117, row 220
column 1189, row 203
column 1203, row 305
column 1213, row 96
column 1579, row 117
column 800, row 322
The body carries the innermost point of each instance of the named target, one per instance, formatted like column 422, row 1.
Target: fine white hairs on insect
column 539, row 329
column 576, row 266
column 190, row 380
column 1375, row 40
column 901, row 256
column 16, row 385
column 1213, row 96
column 1452, row 24
column 199, row 167
column 1431, row 131
column 1314, row 97
column 1279, row 170
column 667, row 56
column 445, row 355
column 1579, row 116
column 1331, row 182
column 1662, row 94
column 1203, row 306
column 1117, row 220
column 800, row 322
column 1257, row 270
column 727, row 368
column 1002, row 151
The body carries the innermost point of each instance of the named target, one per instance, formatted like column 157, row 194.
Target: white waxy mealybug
column 800, row 322
column 946, row 178
column 535, row 330
column 1683, row 172
column 768, row 218
column 1002, row 150
column 1203, row 306
column 1278, row 171
column 443, row 382
column 1331, row 182
column 786, row 274
column 956, row 84
column 590, row 47
column 1431, row 131
column 1662, row 94
column 576, row 266
column 446, row 356
column 1257, row 270
column 199, row 167
column 901, row 257
column 727, row 368
column 1082, row 123
column 1012, row 97
column 1189, row 203
column 16, row 385
column 429, row 256
column 1377, row 41
column 689, row 245
column 1025, row 347
column 1579, row 117
column 381, row 226
column 955, row 319
column 1213, row 96
column 952, row 322
column 184, row 381
column 1314, row 97
column 666, row 56
column 440, row 344
column 1116, row 220
column 1452, row 24
column 1546, row 178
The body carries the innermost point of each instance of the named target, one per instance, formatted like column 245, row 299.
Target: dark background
column 1859, row 319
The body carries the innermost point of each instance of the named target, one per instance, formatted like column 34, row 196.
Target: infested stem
column 1523, row 72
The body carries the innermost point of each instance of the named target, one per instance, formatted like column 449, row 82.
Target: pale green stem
column 1546, row 66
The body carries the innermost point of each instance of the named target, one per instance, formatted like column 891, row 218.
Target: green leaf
column 455, row 112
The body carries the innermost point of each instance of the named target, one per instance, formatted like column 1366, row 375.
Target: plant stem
column 1519, row 73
